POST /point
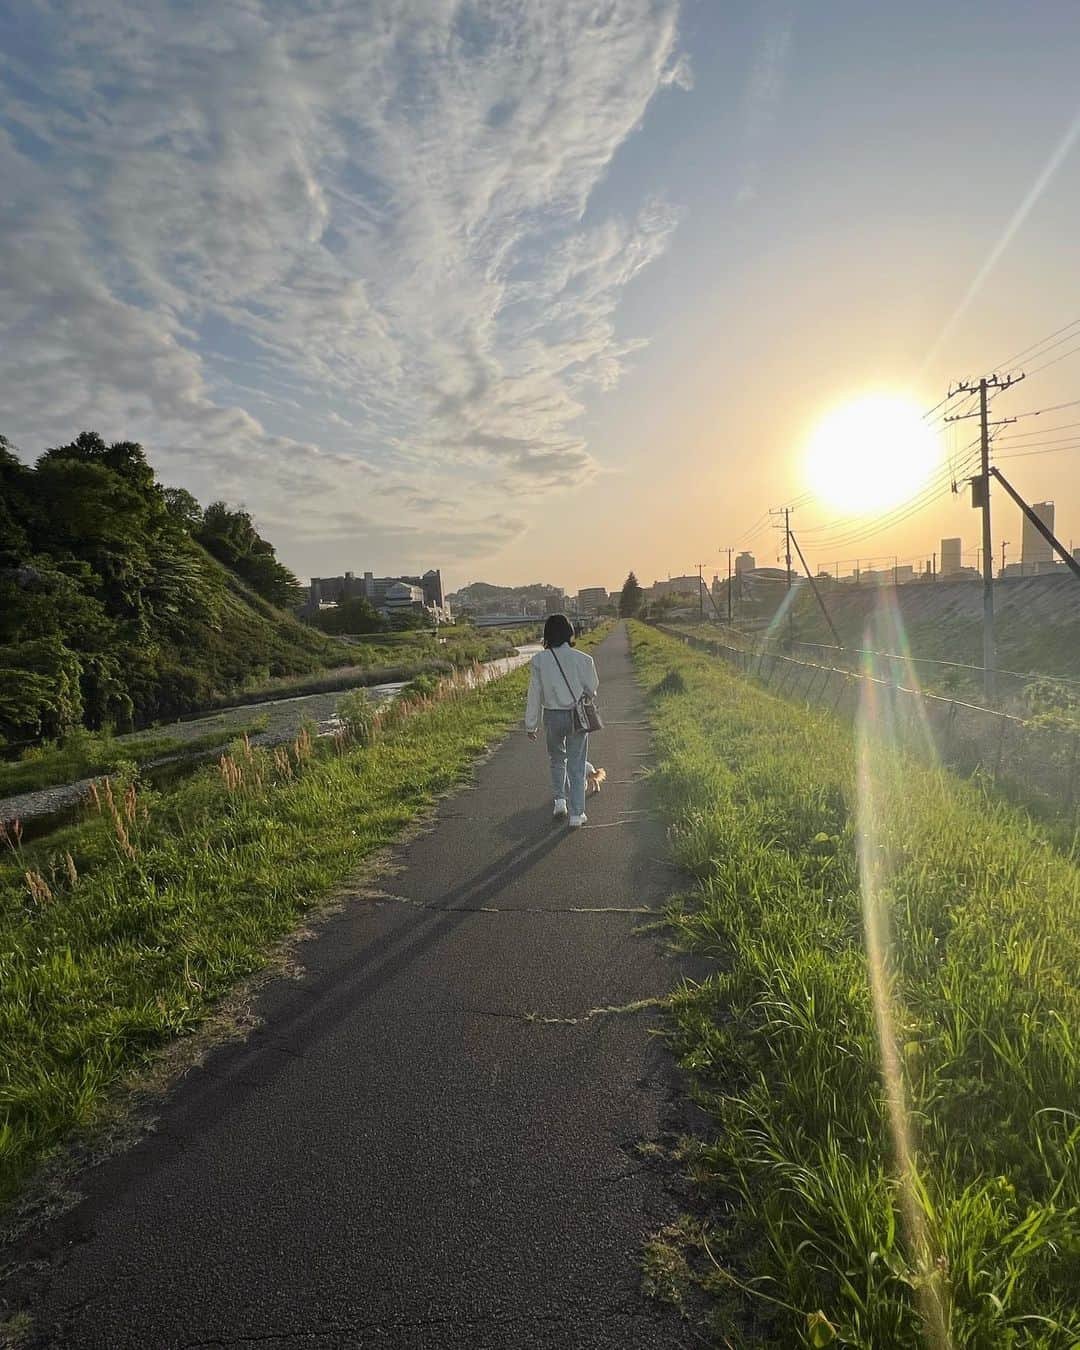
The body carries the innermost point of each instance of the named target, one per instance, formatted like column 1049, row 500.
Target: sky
column 540, row 292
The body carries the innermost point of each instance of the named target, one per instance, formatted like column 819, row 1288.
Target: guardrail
column 1039, row 763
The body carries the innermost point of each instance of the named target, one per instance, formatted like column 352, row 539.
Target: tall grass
column 84, row 754
column 824, row 1225
column 118, row 934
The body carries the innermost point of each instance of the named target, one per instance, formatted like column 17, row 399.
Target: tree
column 183, row 508
column 232, row 538
column 630, row 599
column 357, row 615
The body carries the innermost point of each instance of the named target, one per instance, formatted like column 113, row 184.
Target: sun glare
column 871, row 453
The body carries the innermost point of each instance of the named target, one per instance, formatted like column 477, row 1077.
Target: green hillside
column 123, row 603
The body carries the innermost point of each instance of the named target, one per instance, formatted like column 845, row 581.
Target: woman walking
column 558, row 676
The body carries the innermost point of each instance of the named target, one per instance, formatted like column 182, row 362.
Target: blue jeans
column 568, row 749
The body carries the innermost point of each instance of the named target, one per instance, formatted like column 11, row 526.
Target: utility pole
column 785, row 511
column 700, row 596
column 980, row 497
column 933, row 567
column 729, row 587
column 1004, row 546
column 787, row 543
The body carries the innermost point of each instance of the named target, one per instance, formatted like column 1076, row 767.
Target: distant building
column 1035, row 551
column 676, row 586
column 590, row 598
column 403, row 595
column 951, row 556
column 384, row 593
column 744, row 563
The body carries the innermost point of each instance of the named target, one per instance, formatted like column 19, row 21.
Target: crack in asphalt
column 536, row 1018
column 495, row 909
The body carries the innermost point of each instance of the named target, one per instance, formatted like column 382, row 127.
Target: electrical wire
column 1026, row 351
column 897, row 518
column 1039, row 431
column 1052, row 450
column 1054, row 407
column 1069, row 337
column 1031, row 445
column 936, row 485
column 1046, row 366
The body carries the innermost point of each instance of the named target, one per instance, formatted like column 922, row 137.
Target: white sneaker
column 576, row 822
column 560, row 808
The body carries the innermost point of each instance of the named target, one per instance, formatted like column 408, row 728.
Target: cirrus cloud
column 315, row 249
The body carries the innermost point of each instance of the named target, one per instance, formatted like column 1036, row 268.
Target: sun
column 871, row 453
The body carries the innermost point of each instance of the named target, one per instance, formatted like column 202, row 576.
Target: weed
column 150, row 910
column 814, row 1214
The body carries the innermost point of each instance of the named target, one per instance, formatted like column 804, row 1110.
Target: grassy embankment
column 118, row 934
column 121, row 933
column 89, row 754
column 387, row 658
column 813, row 1223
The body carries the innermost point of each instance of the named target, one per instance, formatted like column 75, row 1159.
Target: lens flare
column 880, row 751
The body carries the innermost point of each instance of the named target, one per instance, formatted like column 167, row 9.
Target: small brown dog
column 594, row 779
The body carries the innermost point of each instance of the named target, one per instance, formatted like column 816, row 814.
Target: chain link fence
column 1040, row 764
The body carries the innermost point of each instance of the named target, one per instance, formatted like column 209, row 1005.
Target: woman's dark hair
column 557, row 630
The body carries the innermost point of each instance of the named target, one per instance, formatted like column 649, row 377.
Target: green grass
column 131, row 925
column 387, row 659
column 816, row 1232
column 86, row 754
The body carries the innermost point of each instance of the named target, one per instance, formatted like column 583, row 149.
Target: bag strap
column 574, row 700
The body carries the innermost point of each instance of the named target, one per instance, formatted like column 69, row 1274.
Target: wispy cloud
column 762, row 98
column 372, row 218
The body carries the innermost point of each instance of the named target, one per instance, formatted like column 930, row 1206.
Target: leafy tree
column 357, row 615
column 14, row 486
column 126, row 459
column 111, row 611
column 630, row 599
column 231, row 536
column 405, row 619
column 183, row 508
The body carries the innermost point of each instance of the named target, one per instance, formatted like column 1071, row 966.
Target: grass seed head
column 38, row 888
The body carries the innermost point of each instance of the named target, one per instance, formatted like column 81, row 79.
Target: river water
column 50, row 807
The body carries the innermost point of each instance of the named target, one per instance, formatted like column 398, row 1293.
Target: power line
column 1054, row 407
column 1046, row 365
column 1039, row 431
column 1025, row 454
column 1029, row 445
column 1038, row 355
column 1035, row 345
column 845, row 524
column 937, row 487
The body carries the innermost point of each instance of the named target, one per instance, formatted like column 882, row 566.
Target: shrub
column 423, row 687
column 356, row 711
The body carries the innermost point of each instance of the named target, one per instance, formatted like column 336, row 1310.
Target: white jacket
column 547, row 688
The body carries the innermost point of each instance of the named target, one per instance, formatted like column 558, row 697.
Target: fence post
column 1000, row 748
column 1072, row 768
column 950, row 720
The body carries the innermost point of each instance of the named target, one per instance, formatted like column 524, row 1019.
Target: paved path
column 429, row 1144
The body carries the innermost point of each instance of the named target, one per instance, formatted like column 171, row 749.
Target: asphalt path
column 430, row 1140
